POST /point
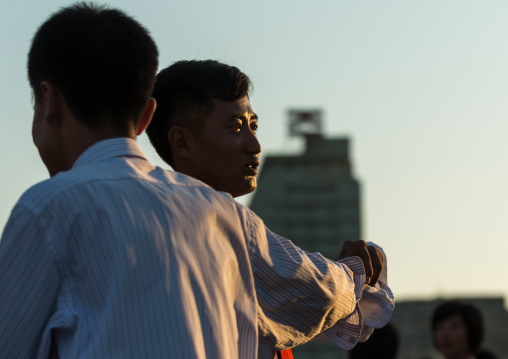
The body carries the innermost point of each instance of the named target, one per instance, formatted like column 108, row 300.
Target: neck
column 77, row 138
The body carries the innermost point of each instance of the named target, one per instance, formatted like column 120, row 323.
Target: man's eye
column 237, row 127
column 254, row 127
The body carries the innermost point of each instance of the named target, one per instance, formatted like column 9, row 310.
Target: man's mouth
column 253, row 166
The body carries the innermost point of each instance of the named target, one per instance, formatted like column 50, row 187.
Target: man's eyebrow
column 242, row 116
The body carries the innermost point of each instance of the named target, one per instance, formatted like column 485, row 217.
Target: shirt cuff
column 347, row 332
column 377, row 305
column 374, row 309
column 378, row 302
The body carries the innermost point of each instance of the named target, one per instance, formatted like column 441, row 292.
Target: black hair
column 470, row 315
column 486, row 354
column 184, row 92
column 103, row 61
column 383, row 343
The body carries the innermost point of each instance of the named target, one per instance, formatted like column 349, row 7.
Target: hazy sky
column 421, row 88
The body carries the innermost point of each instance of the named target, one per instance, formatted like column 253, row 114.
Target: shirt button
column 339, row 333
column 352, row 340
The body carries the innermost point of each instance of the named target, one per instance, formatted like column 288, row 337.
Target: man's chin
column 249, row 187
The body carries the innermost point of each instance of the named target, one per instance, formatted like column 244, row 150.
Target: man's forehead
column 231, row 109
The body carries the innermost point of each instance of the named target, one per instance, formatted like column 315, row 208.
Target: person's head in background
column 91, row 70
column 204, row 125
column 457, row 330
column 382, row 344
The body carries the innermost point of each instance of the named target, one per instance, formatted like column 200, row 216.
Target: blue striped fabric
column 119, row 259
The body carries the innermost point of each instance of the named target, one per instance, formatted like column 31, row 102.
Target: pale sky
column 420, row 87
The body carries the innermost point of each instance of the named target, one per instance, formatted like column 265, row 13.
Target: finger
column 347, row 249
column 353, row 248
column 377, row 261
column 367, row 264
column 358, row 249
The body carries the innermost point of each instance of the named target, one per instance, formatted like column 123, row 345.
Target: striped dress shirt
column 116, row 258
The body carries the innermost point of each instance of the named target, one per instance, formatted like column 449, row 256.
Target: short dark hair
column 486, row 354
column 383, row 343
column 470, row 315
column 103, row 61
column 184, row 93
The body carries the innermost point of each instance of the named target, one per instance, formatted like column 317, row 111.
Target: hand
column 372, row 258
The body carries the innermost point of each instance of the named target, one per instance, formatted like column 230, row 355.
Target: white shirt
column 376, row 306
column 119, row 259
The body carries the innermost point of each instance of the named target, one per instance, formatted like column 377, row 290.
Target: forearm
column 302, row 294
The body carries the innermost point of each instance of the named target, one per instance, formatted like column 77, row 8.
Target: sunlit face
column 451, row 338
column 225, row 155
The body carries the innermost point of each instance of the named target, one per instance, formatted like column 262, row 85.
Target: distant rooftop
column 305, row 122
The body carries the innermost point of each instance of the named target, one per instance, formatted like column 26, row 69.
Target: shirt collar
column 105, row 149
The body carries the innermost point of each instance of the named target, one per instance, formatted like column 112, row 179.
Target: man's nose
column 253, row 146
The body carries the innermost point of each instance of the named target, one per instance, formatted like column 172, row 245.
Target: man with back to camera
column 205, row 127
column 112, row 257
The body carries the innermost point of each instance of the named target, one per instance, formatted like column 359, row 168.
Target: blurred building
column 315, row 200
column 312, row 199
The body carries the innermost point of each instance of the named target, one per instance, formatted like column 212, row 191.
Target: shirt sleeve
column 300, row 294
column 375, row 308
column 29, row 283
column 377, row 303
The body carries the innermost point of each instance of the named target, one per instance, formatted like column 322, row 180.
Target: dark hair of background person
column 382, row 344
column 485, row 354
column 106, row 81
column 470, row 315
column 184, row 92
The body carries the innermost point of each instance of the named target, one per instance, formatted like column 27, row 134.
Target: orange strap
column 285, row 354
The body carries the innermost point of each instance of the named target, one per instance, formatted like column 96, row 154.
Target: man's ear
column 147, row 116
column 52, row 100
column 178, row 138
